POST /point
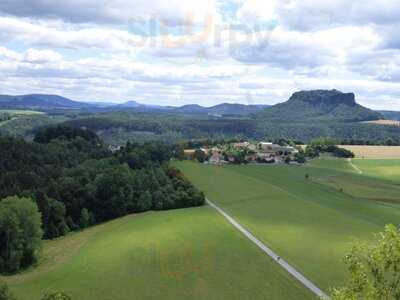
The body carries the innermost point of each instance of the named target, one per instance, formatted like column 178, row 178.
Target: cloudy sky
column 201, row 51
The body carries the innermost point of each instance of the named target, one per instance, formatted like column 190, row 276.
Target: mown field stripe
column 296, row 274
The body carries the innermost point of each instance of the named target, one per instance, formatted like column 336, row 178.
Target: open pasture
column 181, row 254
column 374, row 183
column 309, row 222
column 16, row 112
column 386, row 169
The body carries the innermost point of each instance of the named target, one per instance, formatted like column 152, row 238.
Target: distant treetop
column 46, row 135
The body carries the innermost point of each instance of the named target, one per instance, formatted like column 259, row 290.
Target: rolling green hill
column 40, row 101
column 309, row 222
column 388, row 169
column 181, row 254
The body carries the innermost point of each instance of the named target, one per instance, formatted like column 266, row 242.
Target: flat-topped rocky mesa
column 319, row 105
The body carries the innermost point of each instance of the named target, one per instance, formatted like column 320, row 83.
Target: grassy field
column 365, row 186
column 16, row 112
column 181, row 254
column 374, row 152
column 388, row 169
column 309, row 222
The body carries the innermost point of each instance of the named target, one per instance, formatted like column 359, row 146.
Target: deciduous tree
column 20, row 233
column 374, row 270
column 56, row 296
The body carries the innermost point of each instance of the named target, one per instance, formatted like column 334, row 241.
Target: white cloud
column 8, row 54
column 60, row 35
column 86, row 50
column 315, row 14
column 42, row 56
column 257, row 10
column 106, row 11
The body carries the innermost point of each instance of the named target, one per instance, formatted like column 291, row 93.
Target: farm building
column 270, row 148
column 217, row 158
column 262, row 152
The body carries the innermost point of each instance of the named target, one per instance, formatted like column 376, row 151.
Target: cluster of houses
column 260, row 152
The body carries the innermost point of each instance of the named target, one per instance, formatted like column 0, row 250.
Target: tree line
column 326, row 145
column 117, row 127
column 4, row 117
column 74, row 181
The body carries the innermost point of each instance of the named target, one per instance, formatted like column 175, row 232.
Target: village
column 246, row 152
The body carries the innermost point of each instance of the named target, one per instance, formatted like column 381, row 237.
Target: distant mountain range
column 317, row 106
column 220, row 109
column 391, row 115
column 304, row 106
column 40, row 101
column 52, row 102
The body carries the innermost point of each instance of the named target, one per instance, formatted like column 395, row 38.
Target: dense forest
column 306, row 132
column 119, row 127
column 76, row 181
column 304, row 117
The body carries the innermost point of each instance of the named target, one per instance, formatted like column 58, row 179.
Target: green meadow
column 21, row 112
column 388, row 169
column 310, row 220
column 375, row 183
column 181, row 254
column 308, row 214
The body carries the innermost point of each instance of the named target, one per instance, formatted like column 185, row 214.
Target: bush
column 5, row 293
column 314, row 150
column 311, row 152
column 343, row 153
column 300, row 158
column 56, row 296
column 200, row 156
column 20, row 233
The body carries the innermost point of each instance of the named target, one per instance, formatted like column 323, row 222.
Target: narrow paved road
column 296, row 274
column 354, row 166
